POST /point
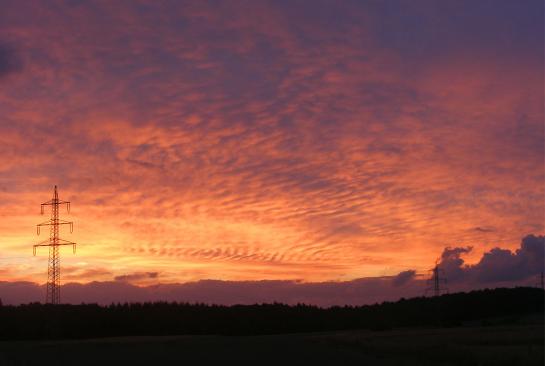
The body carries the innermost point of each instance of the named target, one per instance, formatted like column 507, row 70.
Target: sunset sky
column 306, row 141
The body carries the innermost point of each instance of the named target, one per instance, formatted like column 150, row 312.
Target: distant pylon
column 53, row 295
column 437, row 282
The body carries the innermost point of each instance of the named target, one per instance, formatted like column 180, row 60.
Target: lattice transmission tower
column 53, row 295
column 437, row 282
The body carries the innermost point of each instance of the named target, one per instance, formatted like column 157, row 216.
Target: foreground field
column 497, row 345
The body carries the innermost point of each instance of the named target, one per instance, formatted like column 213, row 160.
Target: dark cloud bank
column 498, row 267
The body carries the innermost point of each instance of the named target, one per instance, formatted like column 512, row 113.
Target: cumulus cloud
column 497, row 265
column 403, row 277
column 504, row 265
column 452, row 263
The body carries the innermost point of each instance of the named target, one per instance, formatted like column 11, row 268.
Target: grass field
column 492, row 345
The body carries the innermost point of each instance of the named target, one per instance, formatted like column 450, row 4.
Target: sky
column 307, row 144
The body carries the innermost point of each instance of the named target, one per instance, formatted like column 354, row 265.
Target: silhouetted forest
column 38, row 321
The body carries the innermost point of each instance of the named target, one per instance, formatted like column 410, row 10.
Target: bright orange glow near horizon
column 267, row 140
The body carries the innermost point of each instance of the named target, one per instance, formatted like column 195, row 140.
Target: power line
column 53, row 295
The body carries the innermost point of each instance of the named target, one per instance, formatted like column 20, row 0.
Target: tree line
column 42, row 321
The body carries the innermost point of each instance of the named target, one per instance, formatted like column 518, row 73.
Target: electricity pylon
column 53, row 295
column 437, row 282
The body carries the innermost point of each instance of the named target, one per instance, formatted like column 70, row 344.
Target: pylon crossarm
column 53, row 203
column 66, row 242
column 52, row 245
column 42, row 244
column 51, row 222
column 48, row 244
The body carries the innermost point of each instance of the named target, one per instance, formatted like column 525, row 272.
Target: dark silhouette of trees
column 38, row 321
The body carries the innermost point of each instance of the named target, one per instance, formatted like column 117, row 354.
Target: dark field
column 493, row 345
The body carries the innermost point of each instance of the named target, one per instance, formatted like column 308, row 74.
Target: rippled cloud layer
column 311, row 140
